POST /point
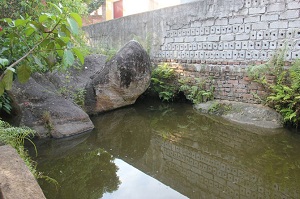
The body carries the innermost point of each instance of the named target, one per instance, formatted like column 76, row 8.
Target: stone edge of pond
column 243, row 113
column 15, row 178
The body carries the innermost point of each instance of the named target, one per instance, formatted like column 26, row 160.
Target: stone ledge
column 16, row 181
column 243, row 113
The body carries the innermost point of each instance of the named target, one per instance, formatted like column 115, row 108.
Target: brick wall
column 222, row 37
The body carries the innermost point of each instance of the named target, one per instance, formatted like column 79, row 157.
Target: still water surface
column 154, row 150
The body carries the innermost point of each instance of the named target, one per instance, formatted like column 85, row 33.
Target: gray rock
column 123, row 79
column 244, row 113
column 46, row 111
column 16, row 181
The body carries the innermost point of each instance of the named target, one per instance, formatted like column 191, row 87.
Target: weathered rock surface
column 16, row 181
column 46, row 111
column 121, row 81
column 244, row 113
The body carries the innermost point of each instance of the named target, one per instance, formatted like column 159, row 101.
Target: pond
column 156, row 150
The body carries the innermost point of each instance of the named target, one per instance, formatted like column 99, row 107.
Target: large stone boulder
column 121, row 81
column 16, row 181
column 45, row 110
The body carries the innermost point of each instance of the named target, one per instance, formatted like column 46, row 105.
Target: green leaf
column 73, row 25
column 77, row 18
column 43, row 18
column 29, row 31
column 79, row 55
column 4, row 62
column 8, row 79
column 2, row 88
column 20, row 22
column 56, row 7
column 38, row 61
column 68, row 58
column 23, row 73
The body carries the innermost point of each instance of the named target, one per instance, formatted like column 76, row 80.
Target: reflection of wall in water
column 204, row 173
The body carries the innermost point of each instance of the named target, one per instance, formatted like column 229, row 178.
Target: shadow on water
column 197, row 155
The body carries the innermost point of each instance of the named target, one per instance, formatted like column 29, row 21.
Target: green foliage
column 163, row 82
column 94, row 5
column 79, row 96
column 43, row 44
column 5, row 103
column 284, row 94
column 196, row 93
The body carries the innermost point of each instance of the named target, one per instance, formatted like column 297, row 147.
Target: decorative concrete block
column 186, row 46
column 296, row 55
column 169, row 40
column 179, row 33
column 195, row 47
column 266, row 34
column 270, row 54
column 202, row 55
column 248, row 55
column 206, row 55
column 217, row 55
column 175, row 54
column 264, row 55
column 238, row 45
column 281, row 34
column 190, row 47
column 212, row 30
column 243, row 36
column 242, row 54
column 192, row 54
column 197, row 54
column 167, row 53
column 175, row 33
column 251, row 45
column 200, row 46
column 297, row 33
column 218, row 30
column 265, row 45
column 223, row 55
column 241, row 28
column 260, row 35
column 248, row 28
column 229, row 29
column 173, row 47
column 179, row 40
column 288, row 55
column 181, row 47
column 273, row 45
column 229, row 54
column 202, row 32
column 297, row 45
column 231, row 45
column 215, row 46
column 209, row 46
column 209, row 22
column 244, row 45
column 258, row 45
column 169, row 46
column 274, row 34
column 226, row 46
column 204, row 46
column 207, row 30
column 212, row 55
column 280, row 44
column 223, row 29
column 235, row 28
column 197, row 30
column 290, row 33
column 253, row 35
column 188, row 32
column 235, row 54
column 221, row 46
column 183, row 33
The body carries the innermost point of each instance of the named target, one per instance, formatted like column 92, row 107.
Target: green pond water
column 154, row 150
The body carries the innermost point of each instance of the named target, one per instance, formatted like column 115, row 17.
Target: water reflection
column 199, row 156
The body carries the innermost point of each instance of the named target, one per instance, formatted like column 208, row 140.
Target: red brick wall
column 92, row 19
